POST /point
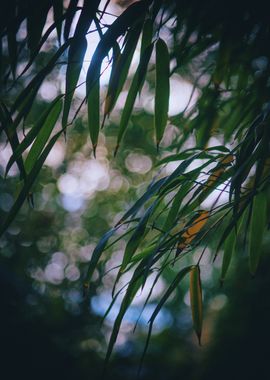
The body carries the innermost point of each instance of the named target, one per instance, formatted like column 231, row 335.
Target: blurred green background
column 50, row 330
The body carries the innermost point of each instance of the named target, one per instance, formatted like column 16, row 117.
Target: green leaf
column 257, row 227
column 152, row 189
column 70, row 13
column 43, row 135
column 75, row 61
column 98, row 252
column 229, row 250
column 57, row 14
column 93, row 114
column 196, row 300
column 11, row 133
column 29, row 138
column 28, row 183
column 34, row 85
column 120, row 70
column 36, row 20
column 176, row 204
column 162, row 92
column 137, row 236
column 178, row 278
column 134, row 285
column 131, row 16
column 147, row 35
column 135, row 87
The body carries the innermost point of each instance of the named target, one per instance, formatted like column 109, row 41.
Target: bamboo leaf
column 57, row 14
column 93, row 114
column 136, row 84
column 11, row 133
column 257, row 227
column 28, row 183
column 229, row 250
column 178, row 278
column 35, row 23
column 29, row 138
column 137, row 236
column 70, row 13
column 34, row 85
column 196, row 300
column 43, row 135
column 98, row 252
column 162, row 92
column 134, row 285
column 192, row 230
column 131, row 16
column 120, row 70
column 153, row 188
column 75, row 61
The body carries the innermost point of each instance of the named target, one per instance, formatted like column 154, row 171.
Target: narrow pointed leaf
column 32, row 134
column 257, row 227
column 134, row 285
column 162, row 92
column 137, row 236
column 43, row 135
column 131, row 16
column 28, row 183
column 70, row 13
column 93, row 114
column 75, row 61
column 151, row 190
column 229, row 249
column 98, row 252
column 196, row 300
column 11, row 133
column 119, row 75
column 57, row 14
column 136, row 84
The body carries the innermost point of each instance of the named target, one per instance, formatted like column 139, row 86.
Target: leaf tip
column 116, row 150
column 95, row 150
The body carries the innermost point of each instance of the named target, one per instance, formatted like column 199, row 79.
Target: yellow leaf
column 193, row 230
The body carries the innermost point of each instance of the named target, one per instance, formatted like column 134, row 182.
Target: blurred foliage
column 142, row 223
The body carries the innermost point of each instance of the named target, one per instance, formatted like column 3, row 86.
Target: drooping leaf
column 147, row 35
column 8, row 127
column 75, row 61
column 43, row 135
column 196, row 300
column 257, row 227
column 98, row 252
column 32, row 134
column 119, row 74
column 34, row 86
column 57, row 14
column 28, row 183
column 178, row 278
column 153, row 188
column 70, row 13
column 94, row 115
column 137, row 81
column 134, row 285
column 229, row 249
column 162, row 88
column 36, row 20
column 130, row 17
column 192, row 230
column 137, row 236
